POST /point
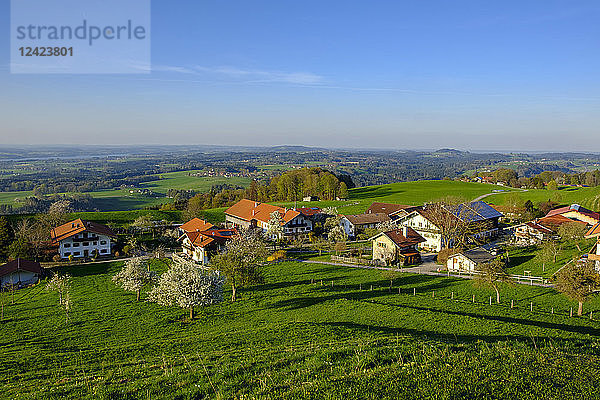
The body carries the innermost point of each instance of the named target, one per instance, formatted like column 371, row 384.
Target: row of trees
column 546, row 179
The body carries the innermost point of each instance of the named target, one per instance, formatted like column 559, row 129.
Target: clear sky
column 475, row 75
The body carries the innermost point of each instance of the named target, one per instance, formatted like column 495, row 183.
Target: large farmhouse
column 82, row 239
column 578, row 213
column 479, row 216
column 19, row 273
column 247, row 213
column 397, row 246
column 394, row 211
column 195, row 225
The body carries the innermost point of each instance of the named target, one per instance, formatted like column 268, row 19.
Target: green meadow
column 295, row 338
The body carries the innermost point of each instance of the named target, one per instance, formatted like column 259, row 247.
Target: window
column 86, row 244
column 382, row 245
column 103, row 251
column 77, row 253
column 75, row 244
column 95, row 243
column 103, row 242
column 67, row 253
column 67, row 245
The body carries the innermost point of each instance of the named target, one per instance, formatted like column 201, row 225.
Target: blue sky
column 476, row 75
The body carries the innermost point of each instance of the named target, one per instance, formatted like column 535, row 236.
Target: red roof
column 248, row 210
column 539, row 227
column 308, row 211
column 205, row 238
column 77, row 226
column 196, row 224
column 555, row 221
column 20, row 265
column 575, row 208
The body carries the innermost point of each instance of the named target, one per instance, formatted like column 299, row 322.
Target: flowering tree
column 61, row 284
column 241, row 259
column 275, row 229
column 134, row 276
column 187, row 286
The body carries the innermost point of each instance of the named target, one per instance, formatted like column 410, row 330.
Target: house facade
column 355, row 224
column 469, row 260
column 594, row 254
column 480, row 217
column 247, row 213
column 398, row 246
column 19, row 273
column 532, row 233
column 202, row 246
column 82, row 239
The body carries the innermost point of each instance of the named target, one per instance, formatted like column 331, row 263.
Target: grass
column 587, row 197
column 289, row 338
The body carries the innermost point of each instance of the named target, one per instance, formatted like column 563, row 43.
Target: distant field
column 122, row 200
column 587, row 197
column 288, row 338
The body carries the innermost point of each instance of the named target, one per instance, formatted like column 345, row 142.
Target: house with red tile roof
column 82, row 239
column 397, row 246
column 392, row 210
column 19, row 273
column 247, row 213
column 202, row 245
column 195, row 225
column 578, row 213
column 533, row 232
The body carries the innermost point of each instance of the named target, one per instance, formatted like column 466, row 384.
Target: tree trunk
column 191, row 313
column 233, row 292
column 497, row 294
column 580, row 309
column 138, row 294
column 578, row 247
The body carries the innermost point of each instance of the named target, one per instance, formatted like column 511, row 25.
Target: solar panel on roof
column 485, row 210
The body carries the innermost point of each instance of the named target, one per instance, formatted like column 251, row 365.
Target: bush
column 56, row 258
column 443, row 255
column 278, row 255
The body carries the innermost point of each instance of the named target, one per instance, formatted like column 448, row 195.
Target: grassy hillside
column 587, row 197
column 292, row 339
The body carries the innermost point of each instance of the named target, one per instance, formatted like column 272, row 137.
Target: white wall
column 70, row 246
column 25, row 277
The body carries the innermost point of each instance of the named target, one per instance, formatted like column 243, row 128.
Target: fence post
column 398, row 290
column 552, row 312
column 360, row 286
column 433, row 295
column 473, row 298
column 312, row 281
column 321, row 282
column 512, row 303
column 371, row 287
column 414, row 291
column 490, row 300
column 590, row 315
column 571, row 312
column 531, row 306
column 452, row 296
column 331, row 283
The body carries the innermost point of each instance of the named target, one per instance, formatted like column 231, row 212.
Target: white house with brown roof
column 200, row 246
column 393, row 211
column 195, row 225
column 532, row 232
column 354, row 224
column 469, row 260
column 19, row 273
column 82, row 239
column 247, row 213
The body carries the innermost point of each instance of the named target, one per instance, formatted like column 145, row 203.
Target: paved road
column 483, row 196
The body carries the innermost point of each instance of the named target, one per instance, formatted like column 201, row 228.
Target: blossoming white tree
column 61, row 284
column 134, row 276
column 187, row 286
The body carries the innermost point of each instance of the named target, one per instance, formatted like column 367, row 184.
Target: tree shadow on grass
column 372, row 192
column 449, row 338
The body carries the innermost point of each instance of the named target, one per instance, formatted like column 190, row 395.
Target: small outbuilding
column 20, row 273
column 469, row 260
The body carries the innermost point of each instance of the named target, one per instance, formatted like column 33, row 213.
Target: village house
column 394, row 211
column 556, row 221
column 481, row 218
column 469, row 260
column 19, row 273
column 355, row 224
column 247, row 213
column 82, row 239
column 594, row 254
column 578, row 213
column 201, row 246
column 532, row 232
column 398, row 246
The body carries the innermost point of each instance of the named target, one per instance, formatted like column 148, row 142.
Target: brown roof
column 554, row 221
column 20, row 265
column 594, row 231
column 248, row 210
column 387, row 208
column 410, row 239
column 539, row 227
column 77, row 226
column 364, row 219
column 308, row 211
column 195, row 225
column 575, row 208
